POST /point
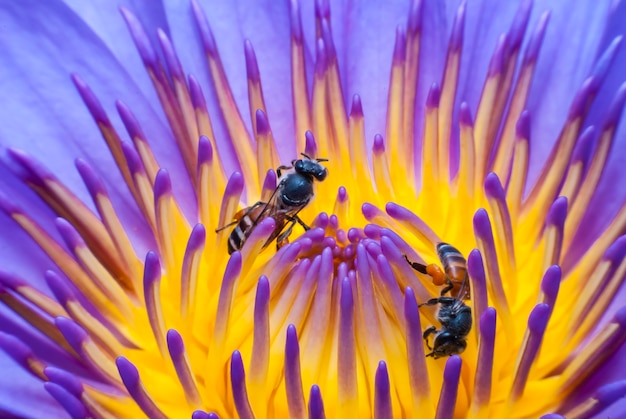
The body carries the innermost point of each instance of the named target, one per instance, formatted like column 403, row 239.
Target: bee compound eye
column 321, row 175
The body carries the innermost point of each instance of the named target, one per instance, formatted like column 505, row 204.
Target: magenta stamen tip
column 411, row 312
column 205, row 150
column 262, row 124
column 334, row 221
column 369, row 211
column 252, row 67
column 582, row 99
column 552, row 416
column 65, row 379
column 7, row 205
column 488, row 324
column 175, row 343
column 310, row 146
column 129, row 120
column 399, row 50
column 162, row 184
column 206, row 36
column 432, row 101
column 609, row 393
column 262, row 291
column 142, row 42
column 238, row 374
column 465, row 115
column 200, row 414
column 620, row 317
column 321, row 59
column 584, row 146
column 35, row 171
column 616, row 252
column 173, row 64
column 72, row 332
column 234, row 187
column 321, row 221
column 520, row 22
column 550, row 283
column 327, row 36
column 615, row 110
column 522, row 128
column 342, row 194
column 452, row 370
column 132, row 158
column 316, row 404
column 382, row 403
column 152, row 269
column 11, row 280
column 482, row 224
column 296, row 22
column 69, row 233
column 16, row 349
column 195, row 91
column 91, row 101
column 73, row 406
column 233, row 267
column 497, row 59
column 379, row 144
column 322, row 9
column 603, row 64
column 449, row 390
column 493, row 187
column 356, row 111
column 128, row 373
column 347, row 300
column 58, row 286
column 93, row 183
column 534, row 44
column 269, row 183
column 458, row 27
column 538, row 319
column 557, row 212
column 415, row 17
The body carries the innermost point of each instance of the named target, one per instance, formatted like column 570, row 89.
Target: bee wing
column 270, row 206
column 282, row 218
column 464, row 290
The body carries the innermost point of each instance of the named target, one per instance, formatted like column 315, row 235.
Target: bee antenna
column 321, row 160
column 305, row 155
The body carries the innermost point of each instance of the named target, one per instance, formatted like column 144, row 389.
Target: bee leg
column 248, row 211
column 299, row 221
column 417, row 266
column 431, row 302
column 427, row 333
column 281, row 243
column 283, row 238
column 279, row 169
column 446, row 289
column 225, row 226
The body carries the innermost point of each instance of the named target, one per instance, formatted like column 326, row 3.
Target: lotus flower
column 494, row 127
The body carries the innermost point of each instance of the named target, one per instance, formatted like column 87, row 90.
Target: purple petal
column 57, row 112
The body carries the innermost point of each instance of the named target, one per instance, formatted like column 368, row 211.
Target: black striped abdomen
column 243, row 229
column 454, row 264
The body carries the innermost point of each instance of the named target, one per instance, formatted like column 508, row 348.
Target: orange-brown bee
column 454, row 274
column 291, row 195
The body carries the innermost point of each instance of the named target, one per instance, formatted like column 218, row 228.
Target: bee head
column 310, row 167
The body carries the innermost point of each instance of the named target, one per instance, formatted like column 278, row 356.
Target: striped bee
column 292, row 194
column 454, row 273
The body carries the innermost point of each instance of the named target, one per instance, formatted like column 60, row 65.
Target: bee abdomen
column 240, row 234
column 454, row 264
